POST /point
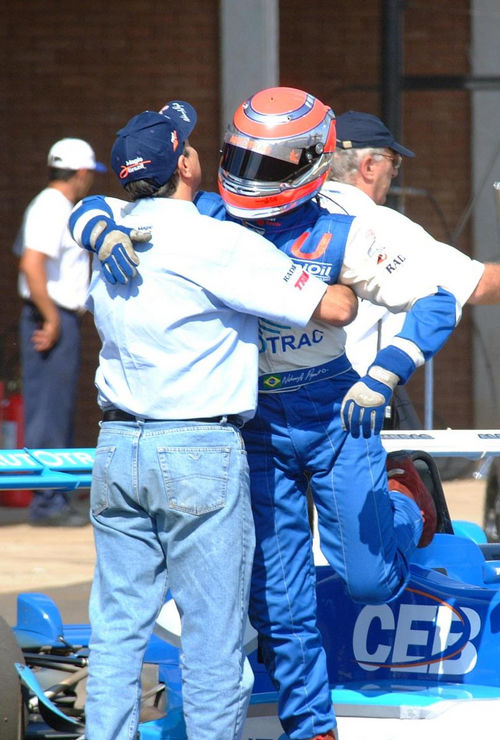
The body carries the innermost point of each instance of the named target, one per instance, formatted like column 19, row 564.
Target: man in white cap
column 53, row 282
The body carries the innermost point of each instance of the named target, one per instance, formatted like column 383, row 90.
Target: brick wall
column 82, row 69
column 333, row 49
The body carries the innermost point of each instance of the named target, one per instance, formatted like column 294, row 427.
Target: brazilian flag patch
column 271, row 381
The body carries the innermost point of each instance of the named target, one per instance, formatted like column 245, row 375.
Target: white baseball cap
column 73, row 154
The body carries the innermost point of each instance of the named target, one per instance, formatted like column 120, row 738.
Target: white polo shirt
column 45, row 229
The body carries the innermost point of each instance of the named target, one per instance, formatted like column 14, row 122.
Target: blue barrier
column 55, row 468
column 72, row 468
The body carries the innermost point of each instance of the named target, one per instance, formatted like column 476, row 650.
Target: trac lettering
column 290, row 342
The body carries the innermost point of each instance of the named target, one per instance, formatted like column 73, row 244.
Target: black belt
column 119, row 415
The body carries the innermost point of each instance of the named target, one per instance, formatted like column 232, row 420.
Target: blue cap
column 150, row 144
column 363, row 130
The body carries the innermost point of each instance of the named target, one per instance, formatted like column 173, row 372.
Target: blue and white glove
column 114, row 245
column 363, row 407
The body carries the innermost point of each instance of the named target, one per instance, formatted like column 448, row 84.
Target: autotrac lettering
column 432, row 638
column 62, row 459
column 281, row 343
column 394, row 263
column 17, row 461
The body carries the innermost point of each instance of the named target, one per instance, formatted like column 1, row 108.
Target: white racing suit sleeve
column 391, row 261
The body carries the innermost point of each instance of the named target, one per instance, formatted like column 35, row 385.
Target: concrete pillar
column 485, row 61
column 249, row 58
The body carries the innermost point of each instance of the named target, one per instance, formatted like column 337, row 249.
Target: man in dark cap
column 366, row 160
column 366, row 157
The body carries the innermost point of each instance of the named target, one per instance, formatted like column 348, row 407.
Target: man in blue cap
column 366, row 160
column 366, row 156
column 177, row 378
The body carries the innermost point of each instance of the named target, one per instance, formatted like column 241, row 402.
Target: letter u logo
column 296, row 248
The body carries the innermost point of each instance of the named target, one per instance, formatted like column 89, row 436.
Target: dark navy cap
column 150, row 144
column 363, row 130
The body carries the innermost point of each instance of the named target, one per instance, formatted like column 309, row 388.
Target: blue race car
column 427, row 663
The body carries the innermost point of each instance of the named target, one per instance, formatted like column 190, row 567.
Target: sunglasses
column 395, row 158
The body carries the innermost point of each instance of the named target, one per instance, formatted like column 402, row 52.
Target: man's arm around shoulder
column 93, row 227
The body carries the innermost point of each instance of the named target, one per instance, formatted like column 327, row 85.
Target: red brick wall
column 333, row 49
column 82, row 69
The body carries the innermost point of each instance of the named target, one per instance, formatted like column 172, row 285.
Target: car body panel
column 429, row 657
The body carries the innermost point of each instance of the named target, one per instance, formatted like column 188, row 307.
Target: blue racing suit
column 296, row 440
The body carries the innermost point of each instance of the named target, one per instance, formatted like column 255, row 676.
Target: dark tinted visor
column 250, row 165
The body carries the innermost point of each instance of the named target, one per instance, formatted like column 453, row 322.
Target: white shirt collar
column 350, row 199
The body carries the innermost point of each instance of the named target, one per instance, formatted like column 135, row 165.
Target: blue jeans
column 50, row 382
column 170, row 506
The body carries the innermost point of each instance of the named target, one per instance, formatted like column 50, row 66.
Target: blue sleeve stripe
column 430, row 322
column 80, row 225
column 427, row 327
column 396, row 361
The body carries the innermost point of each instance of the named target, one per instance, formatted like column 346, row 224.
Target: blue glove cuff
column 87, row 232
column 396, row 361
column 91, row 204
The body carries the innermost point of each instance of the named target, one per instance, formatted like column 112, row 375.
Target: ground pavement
column 59, row 561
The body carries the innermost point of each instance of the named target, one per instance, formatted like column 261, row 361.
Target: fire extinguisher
column 13, row 428
column 13, row 439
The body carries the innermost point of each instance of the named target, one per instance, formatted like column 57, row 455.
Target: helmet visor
column 250, row 165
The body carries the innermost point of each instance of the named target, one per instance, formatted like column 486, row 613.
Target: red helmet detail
column 276, row 154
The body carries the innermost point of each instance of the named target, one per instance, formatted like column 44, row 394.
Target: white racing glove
column 114, row 245
column 363, row 407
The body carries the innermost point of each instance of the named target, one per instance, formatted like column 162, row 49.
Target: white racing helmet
column 276, row 154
